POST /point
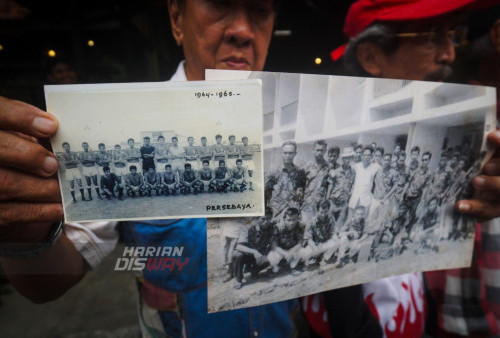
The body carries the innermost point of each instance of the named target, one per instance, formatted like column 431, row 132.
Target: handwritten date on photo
column 229, row 207
column 219, row 94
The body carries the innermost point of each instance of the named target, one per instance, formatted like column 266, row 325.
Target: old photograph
column 361, row 181
column 177, row 150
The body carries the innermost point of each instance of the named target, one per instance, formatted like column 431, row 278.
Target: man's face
column 288, row 154
column 204, row 141
column 133, row 171
column 102, row 149
column 346, row 160
column 168, row 169
column 131, row 143
column 377, row 156
column 442, row 162
column 218, row 140
column 66, row 147
column 414, row 155
column 222, row 34
column 358, row 151
column 118, row 149
column 63, row 73
column 366, row 158
column 151, row 171
column 85, row 146
column 190, row 141
column 290, row 221
column 161, row 140
column 245, row 142
column 174, row 142
column 432, row 205
column 425, row 161
column 107, row 173
column 231, row 140
column 187, row 169
column 319, row 151
column 421, row 58
column 205, row 166
column 222, row 164
column 146, row 142
column 386, row 161
column 333, row 157
column 238, row 165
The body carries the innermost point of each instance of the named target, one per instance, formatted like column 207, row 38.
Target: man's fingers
column 24, row 118
column 492, row 168
column 23, row 154
column 494, row 138
column 18, row 213
column 487, row 184
column 18, row 186
column 482, row 209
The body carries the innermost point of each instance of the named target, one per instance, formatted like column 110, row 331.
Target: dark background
column 133, row 41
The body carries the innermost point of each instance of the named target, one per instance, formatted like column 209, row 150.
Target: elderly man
column 415, row 40
column 222, row 35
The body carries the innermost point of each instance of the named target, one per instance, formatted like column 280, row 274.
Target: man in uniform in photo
column 134, row 183
column 383, row 183
column 191, row 154
column 441, row 180
column 284, row 188
column 218, row 151
column 221, row 177
column 70, row 160
column 358, row 150
column 110, row 183
column 170, row 180
column 152, row 182
column 427, row 234
column 316, row 171
column 207, row 177
column 119, row 162
column 88, row 160
column 318, row 233
column 176, row 156
column 205, row 153
column 252, row 248
column 417, row 183
column 103, row 159
column 288, row 241
column 232, row 153
column 161, row 155
column 238, row 177
column 362, row 188
column 378, row 154
column 393, row 237
column 339, row 186
column 147, row 154
column 133, row 155
column 351, row 236
column 246, row 153
column 189, row 181
column 333, row 157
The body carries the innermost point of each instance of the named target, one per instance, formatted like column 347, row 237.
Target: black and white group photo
column 192, row 166
column 349, row 207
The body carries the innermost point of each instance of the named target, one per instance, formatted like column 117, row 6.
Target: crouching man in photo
column 238, row 180
column 252, row 248
column 318, row 234
column 288, row 241
column 428, row 227
column 170, row 181
column 222, row 177
column 152, row 181
column 207, row 177
column 134, row 182
column 189, row 181
column 350, row 237
column 110, row 183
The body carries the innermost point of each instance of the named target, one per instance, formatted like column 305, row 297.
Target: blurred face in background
column 62, row 73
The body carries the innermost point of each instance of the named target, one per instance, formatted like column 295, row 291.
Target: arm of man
column 30, row 203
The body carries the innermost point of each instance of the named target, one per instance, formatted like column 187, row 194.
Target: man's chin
column 439, row 75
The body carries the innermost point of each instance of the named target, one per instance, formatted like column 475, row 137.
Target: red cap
column 363, row 13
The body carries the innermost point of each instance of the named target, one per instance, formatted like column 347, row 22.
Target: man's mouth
column 236, row 63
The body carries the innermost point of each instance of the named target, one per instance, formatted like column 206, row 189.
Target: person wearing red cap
column 416, row 40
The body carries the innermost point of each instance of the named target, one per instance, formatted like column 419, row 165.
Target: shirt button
column 255, row 333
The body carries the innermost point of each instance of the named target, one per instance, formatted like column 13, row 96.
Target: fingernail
column 463, row 207
column 479, row 181
column 44, row 125
column 50, row 165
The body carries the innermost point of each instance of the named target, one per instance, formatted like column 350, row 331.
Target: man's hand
column 487, row 205
column 29, row 194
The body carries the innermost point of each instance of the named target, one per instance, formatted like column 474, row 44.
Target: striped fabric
column 468, row 300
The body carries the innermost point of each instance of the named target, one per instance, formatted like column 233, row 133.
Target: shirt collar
column 180, row 73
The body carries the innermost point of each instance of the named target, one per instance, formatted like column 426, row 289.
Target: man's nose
column 239, row 27
column 446, row 52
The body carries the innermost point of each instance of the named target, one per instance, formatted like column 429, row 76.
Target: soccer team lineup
column 158, row 170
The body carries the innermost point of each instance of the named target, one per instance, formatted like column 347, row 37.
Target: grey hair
column 381, row 34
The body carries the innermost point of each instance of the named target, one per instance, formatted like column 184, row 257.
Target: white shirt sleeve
column 93, row 240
